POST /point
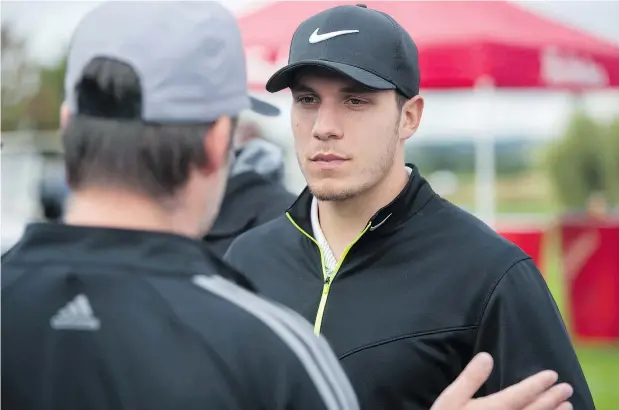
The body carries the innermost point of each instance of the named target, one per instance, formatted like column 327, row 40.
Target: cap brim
column 263, row 107
column 284, row 77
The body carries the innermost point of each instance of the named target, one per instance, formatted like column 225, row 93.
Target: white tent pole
column 485, row 170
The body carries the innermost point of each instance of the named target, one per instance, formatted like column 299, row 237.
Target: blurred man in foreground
column 120, row 308
column 405, row 285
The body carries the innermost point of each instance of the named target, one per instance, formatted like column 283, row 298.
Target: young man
column 121, row 307
column 405, row 286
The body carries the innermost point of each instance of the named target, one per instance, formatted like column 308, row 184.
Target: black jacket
column 96, row 318
column 424, row 288
column 251, row 199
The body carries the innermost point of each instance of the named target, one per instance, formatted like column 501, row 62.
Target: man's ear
column 217, row 142
column 411, row 116
column 65, row 116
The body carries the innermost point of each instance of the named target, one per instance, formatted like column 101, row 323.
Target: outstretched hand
column 537, row 392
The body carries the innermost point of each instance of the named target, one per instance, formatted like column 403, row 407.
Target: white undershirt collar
column 330, row 260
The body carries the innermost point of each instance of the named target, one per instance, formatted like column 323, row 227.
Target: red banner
column 591, row 271
column 529, row 240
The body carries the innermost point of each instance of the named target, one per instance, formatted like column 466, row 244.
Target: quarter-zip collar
column 415, row 195
column 158, row 251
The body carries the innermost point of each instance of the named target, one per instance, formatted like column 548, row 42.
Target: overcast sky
column 48, row 24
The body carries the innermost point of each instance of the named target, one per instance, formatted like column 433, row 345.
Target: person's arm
column 308, row 374
column 313, row 378
column 522, row 329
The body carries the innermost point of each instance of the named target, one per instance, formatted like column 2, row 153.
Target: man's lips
column 328, row 158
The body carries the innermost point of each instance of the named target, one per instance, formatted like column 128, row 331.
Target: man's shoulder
column 206, row 302
column 245, row 321
column 466, row 256
column 476, row 244
column 285, row 343
column 269, row 234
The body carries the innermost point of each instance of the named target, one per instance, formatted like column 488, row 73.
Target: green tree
column 585, row 162
column 44, row 106
column 31, row 94
column 610, row 152
column 19, row 79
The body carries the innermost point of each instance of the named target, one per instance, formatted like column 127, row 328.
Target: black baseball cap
column 366, row 45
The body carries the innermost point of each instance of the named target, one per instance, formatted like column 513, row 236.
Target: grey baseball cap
column 188, row 56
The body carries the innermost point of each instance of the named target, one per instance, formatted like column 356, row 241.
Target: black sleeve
column 521, row 327
column 276, row 354
column 310, row 378
column 289, row 367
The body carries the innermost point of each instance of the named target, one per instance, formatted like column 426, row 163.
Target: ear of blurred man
column 217, row 144
column 65, row 115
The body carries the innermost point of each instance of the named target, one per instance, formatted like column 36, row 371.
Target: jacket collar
column 159, row 252
column 408, row 203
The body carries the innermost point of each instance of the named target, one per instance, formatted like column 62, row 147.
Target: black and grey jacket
column 107, row 319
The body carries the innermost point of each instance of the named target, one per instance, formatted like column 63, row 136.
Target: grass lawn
column 601, row 367
column 600, row 363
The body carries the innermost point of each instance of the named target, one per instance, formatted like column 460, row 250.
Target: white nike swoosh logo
column 375, row 227
column 317, row 38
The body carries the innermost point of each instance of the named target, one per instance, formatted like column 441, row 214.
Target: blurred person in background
column 117, row 306
column 255, row 193
column 405, row 285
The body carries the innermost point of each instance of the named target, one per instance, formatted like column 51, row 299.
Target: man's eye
column 356, row 101
column 306, row 100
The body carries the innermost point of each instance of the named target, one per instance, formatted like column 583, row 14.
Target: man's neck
column 342, row 221
column 125, row 210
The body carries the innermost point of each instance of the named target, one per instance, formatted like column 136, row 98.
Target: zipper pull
column 328, row 280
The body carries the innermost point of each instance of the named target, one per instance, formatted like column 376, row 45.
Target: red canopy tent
column 459, row 44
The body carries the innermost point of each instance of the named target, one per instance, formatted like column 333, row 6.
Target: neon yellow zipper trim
column 326, row 287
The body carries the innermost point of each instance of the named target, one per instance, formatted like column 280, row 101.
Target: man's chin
column 331, row 192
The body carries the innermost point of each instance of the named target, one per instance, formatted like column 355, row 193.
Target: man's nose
column 326, row 125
